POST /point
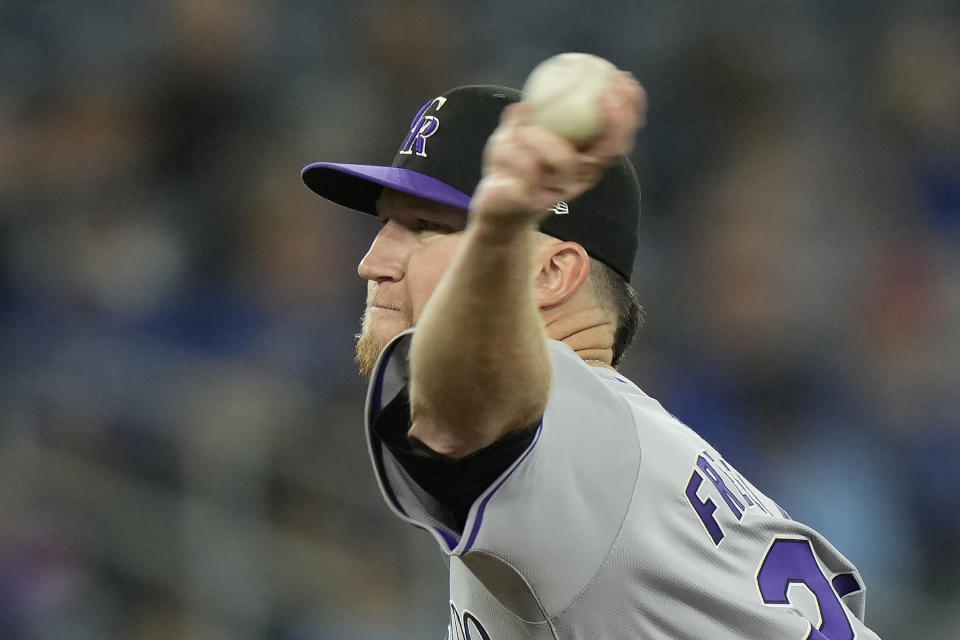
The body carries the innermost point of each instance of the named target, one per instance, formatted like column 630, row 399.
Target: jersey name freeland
column 708, row 467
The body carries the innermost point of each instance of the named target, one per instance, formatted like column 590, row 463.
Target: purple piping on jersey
column 405, row 180
column 448, row 537
column 478, row 521
column 374, row 409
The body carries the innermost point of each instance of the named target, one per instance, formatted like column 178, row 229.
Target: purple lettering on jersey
column 704, row 508
column 791, row 561
column 784, row 513
column 735, row 505
column 731, row 475
column 845, row 584
column 737, row 481
column 746, row 492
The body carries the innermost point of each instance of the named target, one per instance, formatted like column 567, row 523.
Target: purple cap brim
column 357, row 186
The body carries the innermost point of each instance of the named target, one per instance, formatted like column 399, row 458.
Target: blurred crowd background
column 181, row 446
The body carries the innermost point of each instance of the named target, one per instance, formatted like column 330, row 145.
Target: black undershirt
column 455, row 482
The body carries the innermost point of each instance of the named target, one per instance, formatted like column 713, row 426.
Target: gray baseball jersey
column 620, row 522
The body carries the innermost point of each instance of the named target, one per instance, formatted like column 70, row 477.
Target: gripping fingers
column 543, row 162
column 624, row 107
column 528, row 168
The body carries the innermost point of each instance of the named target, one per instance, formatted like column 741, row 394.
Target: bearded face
column 382, row 320
column 403, row 266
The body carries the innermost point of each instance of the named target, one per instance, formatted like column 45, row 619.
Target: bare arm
column 479, row 361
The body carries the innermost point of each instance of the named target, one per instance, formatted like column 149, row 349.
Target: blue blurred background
column 181, row 450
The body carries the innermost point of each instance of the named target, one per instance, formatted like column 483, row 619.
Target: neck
column 588, row 332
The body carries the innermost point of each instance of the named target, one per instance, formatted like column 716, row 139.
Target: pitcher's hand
column 527, row 169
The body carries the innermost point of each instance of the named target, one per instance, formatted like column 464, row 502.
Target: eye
column 422, row 224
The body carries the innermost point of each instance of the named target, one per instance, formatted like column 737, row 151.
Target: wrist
column 501, row 232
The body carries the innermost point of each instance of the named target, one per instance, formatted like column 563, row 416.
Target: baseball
column 563, row 90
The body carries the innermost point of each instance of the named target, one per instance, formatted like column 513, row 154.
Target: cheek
column 426, row 268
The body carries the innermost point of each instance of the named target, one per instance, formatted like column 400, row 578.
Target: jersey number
column 791, row 561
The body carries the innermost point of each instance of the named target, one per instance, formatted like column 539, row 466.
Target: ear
column 562, row 268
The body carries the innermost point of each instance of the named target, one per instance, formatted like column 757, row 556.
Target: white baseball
column 563, row 90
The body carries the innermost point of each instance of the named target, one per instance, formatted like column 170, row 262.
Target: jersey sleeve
column 558, row 508
column 456, row 483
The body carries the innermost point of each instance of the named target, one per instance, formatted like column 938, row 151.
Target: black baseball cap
column 440, row 160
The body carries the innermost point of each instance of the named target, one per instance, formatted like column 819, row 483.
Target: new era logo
column 560, row 209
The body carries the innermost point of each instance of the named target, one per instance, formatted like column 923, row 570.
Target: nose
column 386, row 259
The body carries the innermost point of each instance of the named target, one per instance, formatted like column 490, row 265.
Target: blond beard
column 370, row 344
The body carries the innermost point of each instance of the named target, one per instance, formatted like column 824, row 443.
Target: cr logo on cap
column 422, row 127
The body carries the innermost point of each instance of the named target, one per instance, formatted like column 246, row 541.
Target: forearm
column 479, row 361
